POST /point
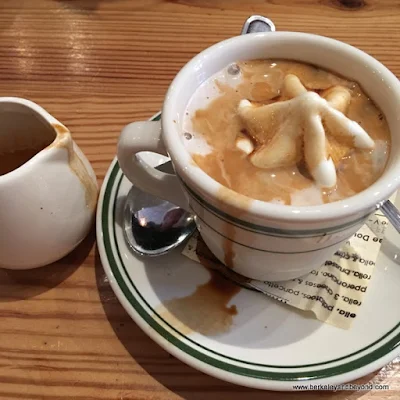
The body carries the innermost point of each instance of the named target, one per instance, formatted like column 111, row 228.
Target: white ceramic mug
column 262, row 240
column 47, row 205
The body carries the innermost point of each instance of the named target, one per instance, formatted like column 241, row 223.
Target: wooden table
column 96, row 66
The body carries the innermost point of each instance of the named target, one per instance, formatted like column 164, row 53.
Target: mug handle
column 146, row 136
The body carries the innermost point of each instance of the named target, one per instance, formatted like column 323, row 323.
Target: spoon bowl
column 152, row 226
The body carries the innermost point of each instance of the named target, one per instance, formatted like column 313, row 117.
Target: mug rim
column 189, row 172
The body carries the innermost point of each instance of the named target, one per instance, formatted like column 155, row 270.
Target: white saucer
column 268, row 345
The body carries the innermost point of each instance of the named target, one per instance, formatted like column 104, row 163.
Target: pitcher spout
column 26, row 129
column 77, row 162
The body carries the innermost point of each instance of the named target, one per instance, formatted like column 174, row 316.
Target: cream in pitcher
column 48, row 190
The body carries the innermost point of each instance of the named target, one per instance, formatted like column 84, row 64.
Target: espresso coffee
column 286, row 132
column 12, row 160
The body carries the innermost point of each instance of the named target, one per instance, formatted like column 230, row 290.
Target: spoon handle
column 392, row 213
column 257, row 23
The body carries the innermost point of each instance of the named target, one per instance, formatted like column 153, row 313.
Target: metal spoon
column 391, row 213
column 153, row 226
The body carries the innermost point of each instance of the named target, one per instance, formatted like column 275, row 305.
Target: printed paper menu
column 335, row 291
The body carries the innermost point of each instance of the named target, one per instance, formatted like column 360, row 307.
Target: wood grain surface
column 96, row 66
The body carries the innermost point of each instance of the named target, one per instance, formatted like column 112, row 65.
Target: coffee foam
column 280, row 128
column 292, row 86
column 379, row 156
column 307, row 197
column 213, row 133
column 338, row 97
column 206, row 92
column 245, row 145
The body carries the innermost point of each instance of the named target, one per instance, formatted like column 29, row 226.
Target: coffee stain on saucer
column 64, row 140
column 206, row 310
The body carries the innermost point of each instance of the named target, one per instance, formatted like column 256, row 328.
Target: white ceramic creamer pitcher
column 47, row 203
